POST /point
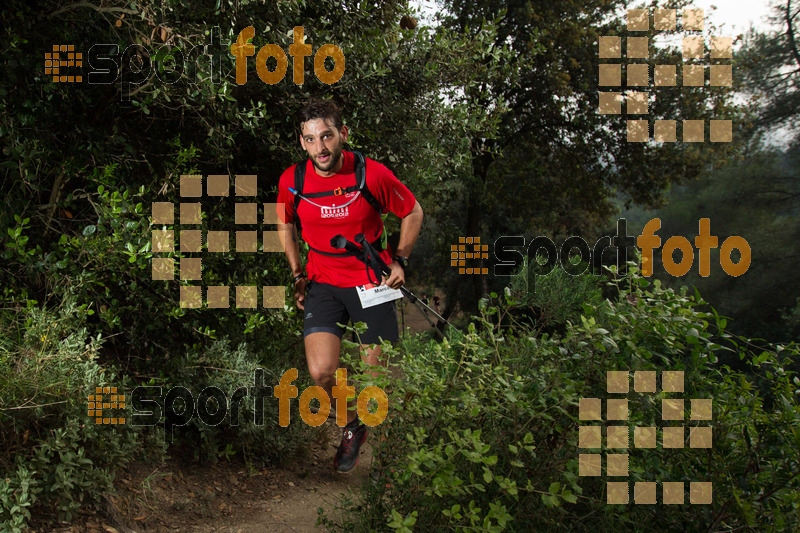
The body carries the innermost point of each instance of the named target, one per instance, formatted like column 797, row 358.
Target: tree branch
column 790, row 32
column 92, row 6
column 32, row 406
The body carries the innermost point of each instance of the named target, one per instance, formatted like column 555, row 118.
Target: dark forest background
column 490, row 115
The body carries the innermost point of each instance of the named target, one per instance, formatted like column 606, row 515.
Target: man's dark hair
column 318, row 108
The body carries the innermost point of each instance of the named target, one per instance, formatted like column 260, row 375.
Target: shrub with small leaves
column 482, row 432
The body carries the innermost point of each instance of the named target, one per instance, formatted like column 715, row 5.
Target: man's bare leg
column 372, row 356
column 322, row 356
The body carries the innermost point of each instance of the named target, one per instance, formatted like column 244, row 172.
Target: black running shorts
column 326, row 305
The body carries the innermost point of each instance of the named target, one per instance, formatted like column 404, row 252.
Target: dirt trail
column 304, row 488
column 414, row 318
column 184, row 496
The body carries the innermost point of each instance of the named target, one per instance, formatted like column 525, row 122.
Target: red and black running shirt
column 320, row 224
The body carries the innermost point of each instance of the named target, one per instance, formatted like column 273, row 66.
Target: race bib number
column 371, row 295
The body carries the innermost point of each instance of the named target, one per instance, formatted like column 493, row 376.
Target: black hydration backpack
column 361, row 186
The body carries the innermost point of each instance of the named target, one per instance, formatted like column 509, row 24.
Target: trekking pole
column 403, row 318
column 369, row 256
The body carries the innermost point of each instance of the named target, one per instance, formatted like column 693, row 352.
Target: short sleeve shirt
column 344, row 214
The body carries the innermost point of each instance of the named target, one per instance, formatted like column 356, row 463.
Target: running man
column 330, row 202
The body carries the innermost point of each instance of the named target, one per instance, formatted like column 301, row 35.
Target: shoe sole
column 363, row 440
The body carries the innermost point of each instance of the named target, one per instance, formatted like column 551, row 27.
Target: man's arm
column 409, row 231
column 288, row 238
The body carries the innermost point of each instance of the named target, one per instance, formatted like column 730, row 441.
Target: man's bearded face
column 324, row 145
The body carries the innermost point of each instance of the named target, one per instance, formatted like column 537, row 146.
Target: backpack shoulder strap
column 361, row 181
column 299, row 180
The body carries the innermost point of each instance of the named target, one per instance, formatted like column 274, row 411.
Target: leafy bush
column 550, row 297
column 97, row 285
column 483, row 429
column 230, row 369
column 55, row 458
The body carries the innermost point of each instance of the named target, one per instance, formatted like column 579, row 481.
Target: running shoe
column 347, row 455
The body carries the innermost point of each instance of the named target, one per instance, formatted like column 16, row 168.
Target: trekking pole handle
column 372, row 254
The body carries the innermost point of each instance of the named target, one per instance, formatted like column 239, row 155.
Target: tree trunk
column 478, row 283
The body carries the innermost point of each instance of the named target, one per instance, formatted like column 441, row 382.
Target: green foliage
column 758, row 200
column 551, row 164
column 57, row 460
column 54, row 456
column 83, row 176
column 84, row 162
column 230, row 369
column 482, row 432
column 550, row 295
column 15, row 498
column 448, row 110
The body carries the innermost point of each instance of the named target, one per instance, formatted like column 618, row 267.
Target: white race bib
column 371, row 295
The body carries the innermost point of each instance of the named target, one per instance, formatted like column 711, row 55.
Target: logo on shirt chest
column 335, row 212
